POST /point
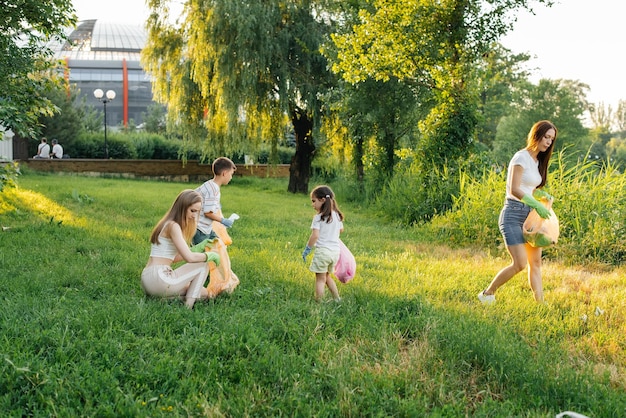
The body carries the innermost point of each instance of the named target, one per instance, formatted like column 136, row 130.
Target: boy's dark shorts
column 201, row 236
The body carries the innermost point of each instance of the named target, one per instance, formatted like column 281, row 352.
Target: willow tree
column 232, row 71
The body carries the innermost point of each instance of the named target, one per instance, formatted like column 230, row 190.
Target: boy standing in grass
column 223, row 170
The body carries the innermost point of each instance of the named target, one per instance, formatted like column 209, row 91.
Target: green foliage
column 88, row 145
column 151, row 146
column 473, row 219
column 560, row 101
column 137, row 145
column 384, row 111
column 498, row 76
column 68, row 123
column 144, row 146
column 229, row 71
column 589, row 202
column 27, row 27
column 405, row 39
column 9, row 171
column 591, row 206
column 447, row 132
column 93, row 119
column 616, row 153
column 415, row 195
column 283, row 155
column 409, row 338
column 154, row 119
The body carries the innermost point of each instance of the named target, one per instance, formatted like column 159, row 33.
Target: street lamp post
column 110, row 95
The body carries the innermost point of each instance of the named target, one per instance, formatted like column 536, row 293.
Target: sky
column 574, row 39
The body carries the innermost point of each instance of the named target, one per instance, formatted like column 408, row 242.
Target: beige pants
column 162, row 280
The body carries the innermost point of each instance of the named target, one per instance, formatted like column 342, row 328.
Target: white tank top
column 165, row 248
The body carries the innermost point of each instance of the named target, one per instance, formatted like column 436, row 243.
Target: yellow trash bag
column 540, row 232
column 221, row 278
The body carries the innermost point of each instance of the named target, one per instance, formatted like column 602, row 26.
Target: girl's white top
column 530, row 177
column 329, row 232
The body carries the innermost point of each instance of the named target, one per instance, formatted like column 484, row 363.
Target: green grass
column 79, row 338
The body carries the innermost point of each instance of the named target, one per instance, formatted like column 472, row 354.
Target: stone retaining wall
column 169, row 170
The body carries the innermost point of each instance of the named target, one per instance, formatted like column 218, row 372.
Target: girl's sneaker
column 486, row 299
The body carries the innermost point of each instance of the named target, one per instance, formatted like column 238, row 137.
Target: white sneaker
column 486, row 299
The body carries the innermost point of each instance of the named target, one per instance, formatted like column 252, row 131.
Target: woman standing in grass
column 170, row 243
column 325, row 229
column 527, row 174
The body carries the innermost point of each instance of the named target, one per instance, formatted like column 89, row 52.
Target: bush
column 415, row 196
column 137, row 145
column 8, row 174
column 88, row 145
column 152, row 146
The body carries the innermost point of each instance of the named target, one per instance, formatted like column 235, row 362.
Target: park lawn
column 79, row 338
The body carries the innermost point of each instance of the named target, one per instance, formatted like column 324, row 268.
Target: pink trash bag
column 345, row 269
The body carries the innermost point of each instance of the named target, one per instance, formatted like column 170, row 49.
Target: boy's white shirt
column 210, row 192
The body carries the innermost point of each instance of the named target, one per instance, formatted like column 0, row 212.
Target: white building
column 6, row 144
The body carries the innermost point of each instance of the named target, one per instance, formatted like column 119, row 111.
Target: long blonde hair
column 178, row 213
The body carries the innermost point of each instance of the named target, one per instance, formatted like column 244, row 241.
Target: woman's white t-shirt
column 530, row 177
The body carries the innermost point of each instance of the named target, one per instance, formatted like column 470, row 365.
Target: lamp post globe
column 110, row 95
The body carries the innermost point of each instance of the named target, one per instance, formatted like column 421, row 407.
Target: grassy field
column 79, row 338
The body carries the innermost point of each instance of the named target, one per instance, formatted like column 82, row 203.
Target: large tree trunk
column 300, row 168
column 357, row 156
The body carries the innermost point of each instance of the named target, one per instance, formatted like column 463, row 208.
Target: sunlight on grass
column 40, row 206
column 19, row 200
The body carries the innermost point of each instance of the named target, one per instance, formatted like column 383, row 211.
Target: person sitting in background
column 43, row 149
column 57, row 150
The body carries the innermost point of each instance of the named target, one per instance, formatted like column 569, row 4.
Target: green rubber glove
column 214, row 257
column 199, row 247
column 542, row 194
column 534, row 203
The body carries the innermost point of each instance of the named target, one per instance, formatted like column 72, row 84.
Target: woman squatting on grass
column 170, row 243
column 527, row 174
column 325, row 229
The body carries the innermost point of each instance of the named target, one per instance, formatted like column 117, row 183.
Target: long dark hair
column 330, row 204
column 536, row 134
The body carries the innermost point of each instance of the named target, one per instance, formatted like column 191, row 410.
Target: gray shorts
column 511, row 220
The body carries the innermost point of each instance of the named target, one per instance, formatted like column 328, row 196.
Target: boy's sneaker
column 486, row 299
